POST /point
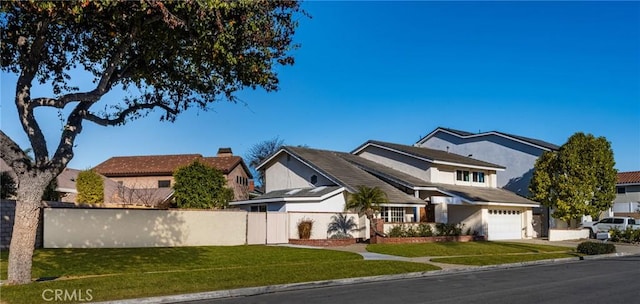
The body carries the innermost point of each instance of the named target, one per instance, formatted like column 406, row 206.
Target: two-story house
column 156, row 171
column 517, row 154
column 423, row 185
column 627, row 202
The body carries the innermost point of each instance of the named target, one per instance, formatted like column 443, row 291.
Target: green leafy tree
column 200, row 186
column 341, row 225
column 367, row 201
column 90, row 188
column 579, row 179
column 163, row 55
column 7, row 185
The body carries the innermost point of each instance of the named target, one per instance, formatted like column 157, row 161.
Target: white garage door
column 505, row 224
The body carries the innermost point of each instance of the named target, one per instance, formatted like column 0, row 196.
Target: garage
column 504, row 224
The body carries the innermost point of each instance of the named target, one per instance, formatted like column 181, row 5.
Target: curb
column 252, row 291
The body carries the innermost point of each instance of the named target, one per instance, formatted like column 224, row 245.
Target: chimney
column 252, row 185
column 224, row 152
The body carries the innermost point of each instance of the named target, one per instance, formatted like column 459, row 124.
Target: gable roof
column 468, row 193
column 331, row 165
column 430, row 155
column 157, row 165
column 631, row 177
column 464, row 134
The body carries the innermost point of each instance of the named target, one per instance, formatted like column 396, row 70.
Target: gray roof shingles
column 347, row 174
column 432, row 154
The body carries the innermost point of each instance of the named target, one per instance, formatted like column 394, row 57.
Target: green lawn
column 502, row 259
column 458, row 248
column 142, row 272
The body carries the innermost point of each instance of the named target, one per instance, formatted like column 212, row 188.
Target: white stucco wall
column 110, row 228
column 518, row 158
column 470, row 216
column 286, row 172
column 335, row 203
column 321, row 222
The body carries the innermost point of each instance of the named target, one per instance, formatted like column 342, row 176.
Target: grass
column 461, row 249
column 121, row 273
column 502, row 259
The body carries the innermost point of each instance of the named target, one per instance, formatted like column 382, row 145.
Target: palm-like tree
column 367, row 201
column 341, row 225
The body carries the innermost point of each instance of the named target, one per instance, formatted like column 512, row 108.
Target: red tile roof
column 632, row 177
column 162, row 164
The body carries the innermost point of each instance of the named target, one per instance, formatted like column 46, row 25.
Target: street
column 615, row 280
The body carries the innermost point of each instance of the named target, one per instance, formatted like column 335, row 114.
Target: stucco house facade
column 422, row 185
column 517, row 154
column 627, row 201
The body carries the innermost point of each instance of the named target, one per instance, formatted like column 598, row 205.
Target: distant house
column 627, row 202
column 422, row 185
column 517, row 154
column 156, row 171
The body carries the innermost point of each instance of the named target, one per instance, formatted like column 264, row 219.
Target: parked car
column 609, row 223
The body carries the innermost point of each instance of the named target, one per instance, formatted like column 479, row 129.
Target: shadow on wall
column 112, row 228
column 520, row 185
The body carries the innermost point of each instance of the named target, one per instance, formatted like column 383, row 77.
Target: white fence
column 567, row 234
column 94, row 228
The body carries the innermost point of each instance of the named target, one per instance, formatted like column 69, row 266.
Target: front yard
column 121, row 273
column 476, row 253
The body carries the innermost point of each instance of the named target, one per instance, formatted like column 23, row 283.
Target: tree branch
column 122, row 116
column 32, row 60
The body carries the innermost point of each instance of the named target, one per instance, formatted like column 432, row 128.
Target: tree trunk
column 23, row 241
column 25, row 225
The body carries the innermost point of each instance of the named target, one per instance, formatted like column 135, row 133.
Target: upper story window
column 462, row 175
column 621, row 190
column 164, row 183
column 478, row 177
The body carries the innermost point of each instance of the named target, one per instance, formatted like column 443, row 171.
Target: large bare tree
column 166, row 55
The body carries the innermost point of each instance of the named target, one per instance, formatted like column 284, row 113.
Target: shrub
column 425, row 230
column 396, row 231
column 593, row 248
column 342, row 226
column 304, row 228
column 629, row 235
column 90, row 188
column 341, row 235
column 443, row 229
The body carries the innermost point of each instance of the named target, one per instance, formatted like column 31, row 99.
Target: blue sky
column 395, row 71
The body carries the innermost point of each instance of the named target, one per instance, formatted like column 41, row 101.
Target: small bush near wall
column 629, row 235
column 305, row 226
column 593, row 248
column 422, row 230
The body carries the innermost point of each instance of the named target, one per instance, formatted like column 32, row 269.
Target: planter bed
column 323, row 242
column 430, row 239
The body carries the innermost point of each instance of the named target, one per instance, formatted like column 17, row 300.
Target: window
column 164, row 184
column 462, row 175
column 621, row 190
column 313, row 179
column 478, row 177
column 618, row 221
column 392, row 214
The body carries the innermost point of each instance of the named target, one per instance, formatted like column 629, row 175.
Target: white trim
column 289, row 199
column 508, row 204
column 433, row 161
column 424, row 139
column 403, row 205
column 264, row 162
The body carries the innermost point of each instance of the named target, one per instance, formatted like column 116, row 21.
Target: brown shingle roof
column 631, row 177
column 163, row 164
